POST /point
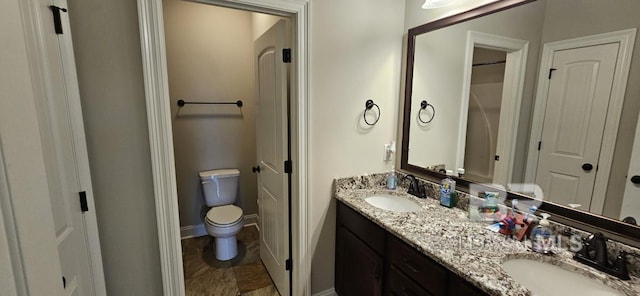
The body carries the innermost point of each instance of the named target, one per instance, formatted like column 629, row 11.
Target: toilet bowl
column 223, row 223
column 224, row 220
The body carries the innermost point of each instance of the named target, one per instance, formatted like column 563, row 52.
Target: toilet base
column 226, row 248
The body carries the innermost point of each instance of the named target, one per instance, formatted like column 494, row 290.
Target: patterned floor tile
column 252, row 276
column 214, row 282
column 266, row 291
column 205, row 275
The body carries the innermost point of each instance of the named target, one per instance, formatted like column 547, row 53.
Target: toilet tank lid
column 220, row 173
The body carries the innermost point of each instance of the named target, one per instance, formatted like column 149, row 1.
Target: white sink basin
column 392, row 203
column 546, row 279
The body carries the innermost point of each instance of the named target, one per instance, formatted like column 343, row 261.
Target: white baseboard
column 192, row 231
column 330, row 292
column 251, row 220
column 199, row 229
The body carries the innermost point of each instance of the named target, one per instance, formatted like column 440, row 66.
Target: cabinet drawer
column 398, row 284
column 427, row 273
column 370, row 233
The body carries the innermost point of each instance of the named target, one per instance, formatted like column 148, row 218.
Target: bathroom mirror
column 540, row 93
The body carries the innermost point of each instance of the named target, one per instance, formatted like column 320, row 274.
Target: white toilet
column 224, row 220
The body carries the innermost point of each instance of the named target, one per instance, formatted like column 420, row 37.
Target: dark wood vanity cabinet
column 424, row 272
column 359, row 254
column 459, row 287
column 370, row 261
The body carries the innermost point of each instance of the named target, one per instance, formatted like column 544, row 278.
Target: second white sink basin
column 392, row 203
column 546, row 279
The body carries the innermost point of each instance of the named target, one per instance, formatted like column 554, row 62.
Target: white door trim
column 626, row 38
column 161, row 138
column 517, row 51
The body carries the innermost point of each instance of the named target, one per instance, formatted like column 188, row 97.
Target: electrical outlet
column 389, row 150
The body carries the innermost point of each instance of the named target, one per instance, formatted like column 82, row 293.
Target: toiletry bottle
column 542, row 236
column 460, row 173
column 392, row 180
column 448, row 191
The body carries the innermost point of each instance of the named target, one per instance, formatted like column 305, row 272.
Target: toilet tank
column 219, row 187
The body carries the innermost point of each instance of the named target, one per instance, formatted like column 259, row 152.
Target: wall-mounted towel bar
column 489, row 63
column 238, row 103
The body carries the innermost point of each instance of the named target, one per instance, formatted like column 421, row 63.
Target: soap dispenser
column 542, row 236
column 448, row 191
column 392, row 180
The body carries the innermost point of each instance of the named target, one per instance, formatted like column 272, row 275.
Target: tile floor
column 243, row 275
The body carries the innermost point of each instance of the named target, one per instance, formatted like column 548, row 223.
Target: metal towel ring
column 368, row 105
column 424, row 105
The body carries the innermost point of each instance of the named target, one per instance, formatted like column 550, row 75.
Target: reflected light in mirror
column 431, row 4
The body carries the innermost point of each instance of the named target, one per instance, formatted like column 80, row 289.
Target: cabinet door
column 460, row 287
column 358, row 267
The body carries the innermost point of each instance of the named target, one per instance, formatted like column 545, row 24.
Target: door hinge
column 288, row 264
column 57, row 22
column 286, row 55
column 497, row 158
column 539, row 145
column 287, row 166
column 83, row 201
column 551, row 72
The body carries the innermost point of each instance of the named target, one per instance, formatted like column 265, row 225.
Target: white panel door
column 631, row 200
column 273, row 149
column 579, row 93
column 67, row 163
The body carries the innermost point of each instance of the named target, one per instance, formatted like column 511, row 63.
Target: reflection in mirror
column 540, row 93
column 483, row 118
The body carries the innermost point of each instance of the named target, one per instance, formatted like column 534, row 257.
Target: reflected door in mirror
column 579, row 90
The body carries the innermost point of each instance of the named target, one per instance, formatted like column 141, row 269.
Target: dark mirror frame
column 614, row 229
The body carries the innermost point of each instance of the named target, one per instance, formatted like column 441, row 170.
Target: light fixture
column 431, row 4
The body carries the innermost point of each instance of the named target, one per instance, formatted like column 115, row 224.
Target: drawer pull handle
column 409, row 266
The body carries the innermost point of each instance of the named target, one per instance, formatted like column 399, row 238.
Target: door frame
column 161, row 138
column 517, row 52
column 626, row 39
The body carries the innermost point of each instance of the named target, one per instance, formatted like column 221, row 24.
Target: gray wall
column 356, row 49
column 210, row 58
column 356, row 52
column 108, row 60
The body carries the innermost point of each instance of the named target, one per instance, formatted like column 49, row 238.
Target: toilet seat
column 224, row 216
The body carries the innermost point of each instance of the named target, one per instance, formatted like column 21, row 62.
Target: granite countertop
column 464, row 247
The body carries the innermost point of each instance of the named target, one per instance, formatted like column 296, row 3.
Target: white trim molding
column 330, row 292
column 191, row 231
column 626, row 39
column 161, row 138
column 517, row 51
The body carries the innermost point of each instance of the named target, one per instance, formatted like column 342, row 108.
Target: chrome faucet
column 414, row 187
column 594, row 253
